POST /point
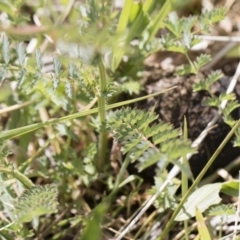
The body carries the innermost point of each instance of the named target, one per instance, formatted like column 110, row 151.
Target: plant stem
column 8, row 134
column 21, row 177
column 102, row 145
column 198, row 179
column 184, row 176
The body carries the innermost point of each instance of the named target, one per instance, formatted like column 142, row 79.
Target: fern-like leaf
column 68, row 89
column 57, row 66
column 232, row 105
column 158, row 143
column 187, row 39
column 177, row 26
column 36, row 78
column 55, row 81
column 3, row 73
column 228, row 119
column 21, row 54
column 174, row 25
column 213, row 101
column 205, row 84
column 6, row 49
column 213, row 77
column 38, row 59
column 130, row 87
column 36, row 201
column 227, row 96
column 167, row 199
column 223, row 211
column 170, row 44
column 211, row 17
column 21, row 77
column 201, row 60
column 85, row 168
column 185, row 69
column 72, row 70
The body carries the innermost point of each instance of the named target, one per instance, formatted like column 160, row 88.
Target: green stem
column 102, row 147
column 5, row 135
column 121, row 173
column 191, row 63
column 184, row 176
column 21, row 177
column 196, row 182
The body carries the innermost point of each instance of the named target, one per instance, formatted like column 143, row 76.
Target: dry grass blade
column 15, row 107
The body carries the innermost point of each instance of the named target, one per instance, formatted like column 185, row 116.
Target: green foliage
column 167, row 199
column 141, row 20
column 99, row 60
column 231, row 188
column 180, row 37
column 36, row 201
column 216, row 101
column 6, row 58
column 222, row 210
column 6, row 50
column 237, row 138
column 93, row 228
column 207, row 19
column 39, row 66
column 85, row 168
column 205, row 84
column 230, row 107
column 195, row 66
column 177, row 26
column 61, row 85
column 145, row 141
column 131, row 87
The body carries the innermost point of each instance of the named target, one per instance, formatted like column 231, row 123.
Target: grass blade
column 26, row 129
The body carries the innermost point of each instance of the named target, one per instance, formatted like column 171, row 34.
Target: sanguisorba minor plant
column 63, row 65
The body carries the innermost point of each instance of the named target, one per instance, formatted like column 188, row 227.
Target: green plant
column 91, row 70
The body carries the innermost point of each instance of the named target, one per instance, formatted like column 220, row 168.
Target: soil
column 182, row 101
